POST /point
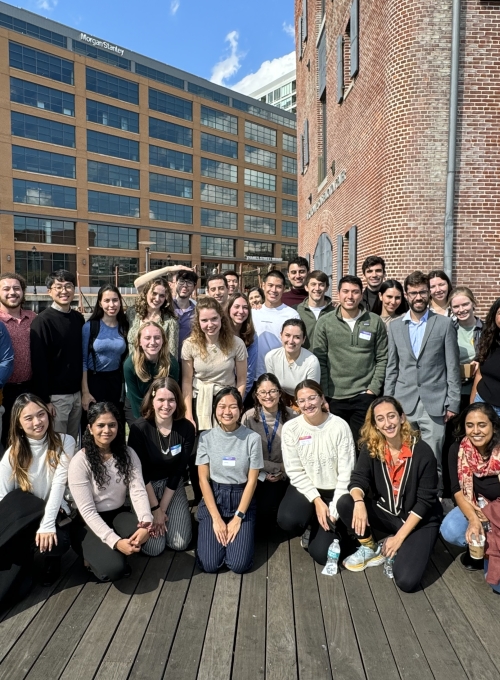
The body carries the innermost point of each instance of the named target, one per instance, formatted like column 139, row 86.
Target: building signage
column 102, row 43
column 327, row 193
column 265, row 259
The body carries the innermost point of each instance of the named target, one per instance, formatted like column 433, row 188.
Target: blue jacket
column 6, row 355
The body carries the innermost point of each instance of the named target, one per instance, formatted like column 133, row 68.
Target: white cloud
column 174, row 6
column 289, row 30
column 269, row 70
column 230, row 65
column 47, row 5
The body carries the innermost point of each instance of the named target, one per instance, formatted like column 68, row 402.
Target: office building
column 280, row 92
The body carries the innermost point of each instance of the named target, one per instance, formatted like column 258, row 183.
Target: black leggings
column 296, row 513
column 415, row 552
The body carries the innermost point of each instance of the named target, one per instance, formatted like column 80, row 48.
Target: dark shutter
column 354, row 37
column 301, row 39
column 340, row 257
column 306, row 142
column 340, row 68
column 322, row 64
column 304, row 19
column 302, row 164
column 353, row 247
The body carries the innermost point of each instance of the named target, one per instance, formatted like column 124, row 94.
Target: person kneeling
column 401, row 471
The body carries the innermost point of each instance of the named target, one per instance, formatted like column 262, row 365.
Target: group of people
column 278, row 407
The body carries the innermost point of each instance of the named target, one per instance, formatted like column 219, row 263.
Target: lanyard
column 266, row 429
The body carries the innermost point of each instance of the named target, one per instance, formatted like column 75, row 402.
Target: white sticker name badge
column 305, row 440
column 229, row 461
column 175, row 450
column 365, row 335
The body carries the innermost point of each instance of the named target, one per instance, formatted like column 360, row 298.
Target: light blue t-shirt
column 108, row 346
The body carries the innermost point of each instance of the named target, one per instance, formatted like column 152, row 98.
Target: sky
column 241, row 44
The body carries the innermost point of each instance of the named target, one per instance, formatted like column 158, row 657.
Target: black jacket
column 418, row 491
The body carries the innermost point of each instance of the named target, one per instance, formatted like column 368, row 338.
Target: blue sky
column 222, row 40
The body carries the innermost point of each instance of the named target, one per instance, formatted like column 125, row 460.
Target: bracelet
column 155, row 507
column 359, row 501
column 146, row 525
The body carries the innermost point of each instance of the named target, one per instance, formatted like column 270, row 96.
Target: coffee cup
column 466, row 371
column 476, row 546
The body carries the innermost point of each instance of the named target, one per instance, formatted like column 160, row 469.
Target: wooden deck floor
column 281, row 621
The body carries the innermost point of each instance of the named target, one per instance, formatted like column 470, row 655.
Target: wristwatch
column 239, row 514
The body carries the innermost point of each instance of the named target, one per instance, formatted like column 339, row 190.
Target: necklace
column 161, row 438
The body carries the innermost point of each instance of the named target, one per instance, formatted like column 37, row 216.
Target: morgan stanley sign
column 102, row 43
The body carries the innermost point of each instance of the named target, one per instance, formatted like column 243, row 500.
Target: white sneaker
column 304, row 539
column 364, row 557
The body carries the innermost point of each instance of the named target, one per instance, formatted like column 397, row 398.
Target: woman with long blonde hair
column 400, row 470
column 154, row 303
column 33, row 476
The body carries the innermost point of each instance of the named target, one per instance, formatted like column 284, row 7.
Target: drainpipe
column 449, row 220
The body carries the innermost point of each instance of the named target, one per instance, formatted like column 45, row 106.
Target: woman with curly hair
column 240, row 316
column 486, row 386
column 400, row 470
column 33, row 476
column 100, row 475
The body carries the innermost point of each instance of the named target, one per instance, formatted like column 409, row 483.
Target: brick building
column 374, row 93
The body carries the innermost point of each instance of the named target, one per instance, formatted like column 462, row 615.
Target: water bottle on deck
column 389, row 561
column 331, row 567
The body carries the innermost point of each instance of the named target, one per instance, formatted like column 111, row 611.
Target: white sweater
column 318, row 457
column 47, row 483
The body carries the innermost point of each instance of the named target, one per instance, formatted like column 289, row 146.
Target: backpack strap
column 95, row 325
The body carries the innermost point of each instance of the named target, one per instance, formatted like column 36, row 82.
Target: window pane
column 171, row 186
column 44, row 162
column 113, row 204
column 107, row 236
column 41, row 63
column 208, row 94
column 102, row 270
column 101, row 55
column 260, row 202
column 170, row 212
column 219, row 170
column 173, row 106
column 159, row 76
column 289, row 186
column 110, row 145
column 170, row 132
column 265, row 113
column 115, row 175
column 104, row 114
column 215, row 194
column 260, row 156
column 42, row 130
column 258, row 249
column 39, row 193
column 219, row 145
column 168, row 158
column 288, row 252
column 260, row 225
column 23, row 92
column 111, row 86
column 289, row 143
column 170, row 242
column 289, row 208
column 217, row 246
column 261, row 180
column 35, row 267
column 33, row 31
column 259, row 133
column 289, row 165
column 289, row 229
column 39, row 230
column 219, row 120
column 219, row 219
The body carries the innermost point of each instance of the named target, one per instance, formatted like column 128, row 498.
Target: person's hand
column 126, row 547
column 159, row 520
column 232, row 529
column 360, row 519
column 370, row 392
column 45, row 542
column 220, row 530
column 474, row 365
column 51, row 409
column 475, row 527
column 391, row 545
column 274, row 477
column 322, row 512
column 449, row 415
column 87, row 399
column 140, row 537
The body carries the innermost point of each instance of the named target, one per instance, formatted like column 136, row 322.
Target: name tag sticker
column 175, row 450
column 305, row 440
column 229, row 461
column 365, row 335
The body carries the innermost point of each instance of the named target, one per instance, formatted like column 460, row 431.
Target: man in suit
column 423, row 370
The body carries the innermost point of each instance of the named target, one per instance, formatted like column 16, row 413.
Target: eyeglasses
column 185, row 284
column 271, row 393
column 59, row 289
column 418, row 293
column 309, row 400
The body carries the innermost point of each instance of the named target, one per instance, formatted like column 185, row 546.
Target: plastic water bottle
column 482, row 503
column 389, row 561
column 331, row 567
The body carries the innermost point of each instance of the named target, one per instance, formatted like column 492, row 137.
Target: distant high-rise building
column 280, row 92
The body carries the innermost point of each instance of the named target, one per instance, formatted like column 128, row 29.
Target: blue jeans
column 477, row 398
column 453, row 531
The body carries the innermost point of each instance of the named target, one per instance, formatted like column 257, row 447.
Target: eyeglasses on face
column 59, row 289
column 270, row 393
column 419, row 293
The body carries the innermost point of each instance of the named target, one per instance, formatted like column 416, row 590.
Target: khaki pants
column 68, row 413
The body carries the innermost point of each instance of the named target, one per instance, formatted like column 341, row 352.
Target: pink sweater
column 91, row 500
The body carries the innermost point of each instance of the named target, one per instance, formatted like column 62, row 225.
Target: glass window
column 289, row 207
column 260, row 156
column 159, row 263
column 173, row 106
column 111, row 86
column 33, row 31
column 171, row 186
column 115, row 175
column 170, row 242
column 260, row 202
column 107, row 236
column 289, row 165
column 44, row 162
column 265, row 113
column 260, row 225
column 260, row 180
column 258, row 249
column 289, row 186
column 217, row 246
column 102, row 270
column 259, row 133
column 219, row 170
column 101, row 55
column 219, row 145
column 41, row 63
column 214, row 194
column 110, row 145
column 288, row 251
column 289, row 229
column 39, row 230
column 170, row 132
column 208, row 94
column 159, row 76
column 219, row 219
column 23, row 92
column 289, row 143
column 35, row 267
column 113, row 204
column 104, row 114
column 42, row 130
column 39, row 193
column 219, row 120
column 170, row 212
column 168, row 158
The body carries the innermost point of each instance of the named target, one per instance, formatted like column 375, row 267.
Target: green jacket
column 351, row 361
column 309, row 319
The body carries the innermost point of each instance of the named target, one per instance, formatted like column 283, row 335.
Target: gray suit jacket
column 434, row 375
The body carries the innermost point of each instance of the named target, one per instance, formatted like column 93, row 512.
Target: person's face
column 387, row 420
column 34, row 420
column 316, row 290
column 104, row 429
column 151, row 341
column 155, row 297
column 268, row 395
column 439, row 289
column 217, row 289
column 11, row 293
column 391, row 300
column 292, row 338
column 164, row 403
column 255, row 300
column 418, row 298
column 349, row 296
column 374, row 276
column 227, row 411
column 110, row 303
column 232, row 283
column 210, row 322
column 497, row 318
column 462, row 308
column 478, row 429
column 297, row 275
column 273, row 289
column 184, row 288
column 309, row 402
column 62, row 292
column 239, row 310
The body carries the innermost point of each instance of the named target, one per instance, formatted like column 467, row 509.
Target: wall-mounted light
column 9, row 258
column 84, row 261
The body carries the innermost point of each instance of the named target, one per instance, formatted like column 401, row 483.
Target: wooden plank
column 216, row 658
column 312, row 654
column 281, row 656
column 375, row 649
column 408, row 654
column 155, row 647
column 188, row 643
column 345, row 660
column 250, row 650
column 121, row 653
column 93, row 645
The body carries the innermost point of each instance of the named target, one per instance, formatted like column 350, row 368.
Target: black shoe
column 470, row 564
